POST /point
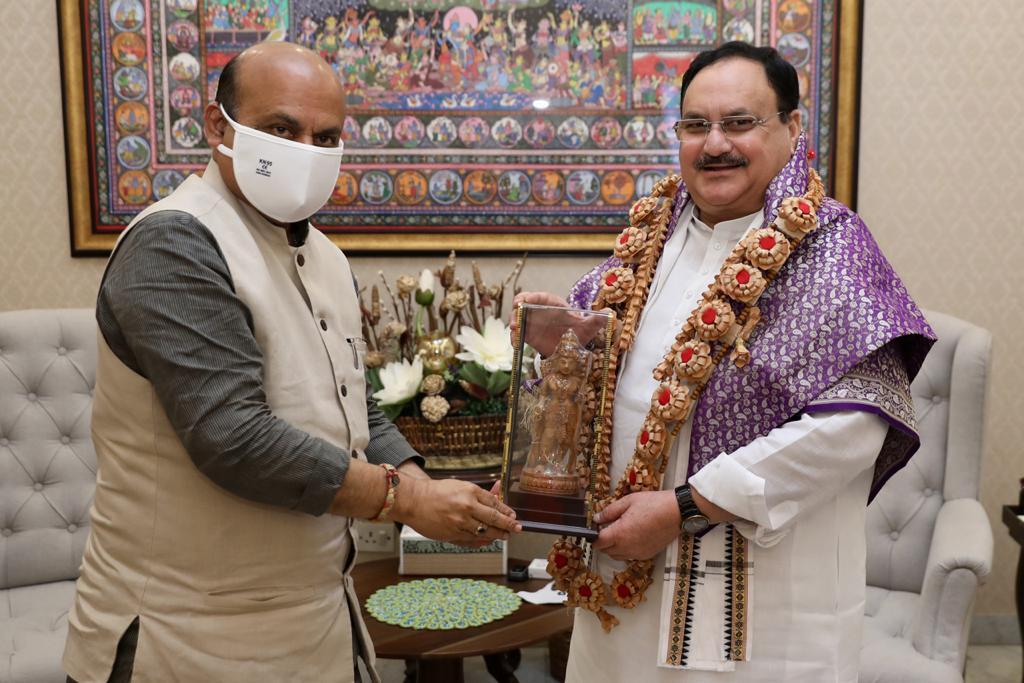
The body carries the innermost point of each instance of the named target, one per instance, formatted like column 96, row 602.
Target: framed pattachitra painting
column 472, row 124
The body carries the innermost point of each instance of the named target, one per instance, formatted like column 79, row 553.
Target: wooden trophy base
column 550, row 514
column 549, row 484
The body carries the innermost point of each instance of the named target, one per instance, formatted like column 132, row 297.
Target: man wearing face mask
column 234, row 437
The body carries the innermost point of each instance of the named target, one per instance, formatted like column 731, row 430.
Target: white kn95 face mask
column 286, row 180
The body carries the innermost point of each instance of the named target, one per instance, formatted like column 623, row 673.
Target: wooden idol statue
column 551, row 463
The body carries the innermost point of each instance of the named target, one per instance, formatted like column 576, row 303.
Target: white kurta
column 803, row 488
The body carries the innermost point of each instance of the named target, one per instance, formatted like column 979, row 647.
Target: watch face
column 695, row 524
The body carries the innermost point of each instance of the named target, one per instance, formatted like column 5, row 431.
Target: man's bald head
column 265, row 65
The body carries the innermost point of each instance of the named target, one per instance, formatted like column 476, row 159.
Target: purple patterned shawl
column 838, row 331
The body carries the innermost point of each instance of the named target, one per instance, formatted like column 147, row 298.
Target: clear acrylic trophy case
column 555, row 415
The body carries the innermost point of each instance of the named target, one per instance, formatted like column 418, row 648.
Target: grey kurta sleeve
column 167, row 308
column 387, row 443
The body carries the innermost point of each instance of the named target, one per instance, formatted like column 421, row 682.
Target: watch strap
column 684, row 498
column 691, row 519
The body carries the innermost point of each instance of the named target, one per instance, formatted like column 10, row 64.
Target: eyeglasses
column 689, row 130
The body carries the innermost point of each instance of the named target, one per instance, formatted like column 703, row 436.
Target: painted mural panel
column 539, row 121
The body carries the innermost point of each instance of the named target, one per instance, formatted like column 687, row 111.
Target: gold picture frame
column 93, row 188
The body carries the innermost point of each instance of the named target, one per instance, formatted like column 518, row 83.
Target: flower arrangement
column 437, row 347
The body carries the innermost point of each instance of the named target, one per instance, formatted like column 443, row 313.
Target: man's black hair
column 781, row 74
column 227, row 87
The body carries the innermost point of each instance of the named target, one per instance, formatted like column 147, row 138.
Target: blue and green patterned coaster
column 441, row 604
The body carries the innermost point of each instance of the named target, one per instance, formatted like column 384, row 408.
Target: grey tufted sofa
column 47, row 477
column 929, row 540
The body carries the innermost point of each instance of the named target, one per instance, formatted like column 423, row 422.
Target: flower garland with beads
column 720, row 324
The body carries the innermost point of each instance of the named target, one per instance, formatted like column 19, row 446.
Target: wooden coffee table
column 439, row 654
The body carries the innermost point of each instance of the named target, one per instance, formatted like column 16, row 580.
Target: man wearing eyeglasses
column 756, row 528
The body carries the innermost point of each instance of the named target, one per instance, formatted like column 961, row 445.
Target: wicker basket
column 456, row 442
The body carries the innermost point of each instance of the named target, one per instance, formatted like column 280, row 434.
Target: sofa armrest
column 960, row 560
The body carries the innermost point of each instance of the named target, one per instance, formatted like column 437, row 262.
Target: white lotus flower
column 426, row 281
column 492, row 349
column 401, row 382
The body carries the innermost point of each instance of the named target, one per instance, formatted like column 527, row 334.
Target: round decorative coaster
column 441, row 604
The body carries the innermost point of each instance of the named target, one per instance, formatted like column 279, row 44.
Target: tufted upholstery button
column 72, row 528
column 49, row 363
column 344, row 390
column 928, row 492
column 936, row 399
column 301, row 260
column 894, row 535
column 323, row 325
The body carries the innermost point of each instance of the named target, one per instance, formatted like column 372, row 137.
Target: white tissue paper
column 545, row 596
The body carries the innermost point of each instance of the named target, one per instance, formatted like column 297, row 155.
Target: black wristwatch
column 692, row 521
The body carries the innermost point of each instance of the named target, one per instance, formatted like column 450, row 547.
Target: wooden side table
column 439, row 654
column 1014, row 523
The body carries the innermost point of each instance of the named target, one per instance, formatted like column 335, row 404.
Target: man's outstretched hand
column 452, row 510
column 547, row 326
column 638, row 526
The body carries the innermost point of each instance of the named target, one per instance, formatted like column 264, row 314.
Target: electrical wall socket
column 375, row 537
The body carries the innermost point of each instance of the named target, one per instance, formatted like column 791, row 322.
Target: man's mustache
column 721, row 160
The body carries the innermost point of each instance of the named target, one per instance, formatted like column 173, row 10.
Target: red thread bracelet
column 391, row 479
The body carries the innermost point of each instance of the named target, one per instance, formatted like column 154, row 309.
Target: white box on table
column 418, row 554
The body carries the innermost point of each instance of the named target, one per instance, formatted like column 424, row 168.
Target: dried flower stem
column 513, row 279
column 394, row 299
column 369, row 330
column 370, row 335
column 450, row 324
column 473, row 317
column 407, row 310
